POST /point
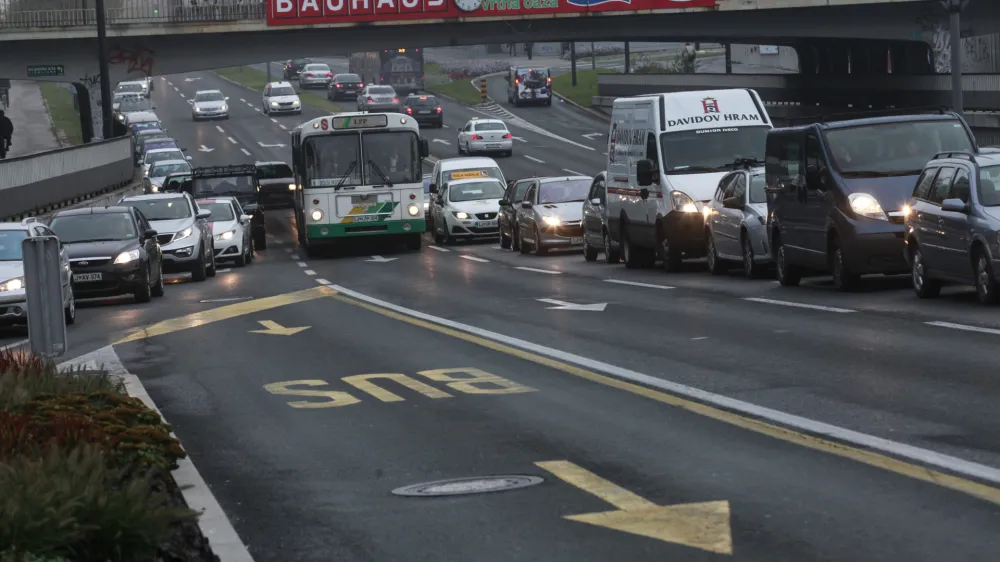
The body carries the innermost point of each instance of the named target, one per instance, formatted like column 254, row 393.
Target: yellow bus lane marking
column 226, row 312
column 273, row 328
column 363, row 383
column 703, row 525
column 870, row 458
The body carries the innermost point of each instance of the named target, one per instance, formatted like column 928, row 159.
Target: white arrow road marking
column 262, row 145
column 380, row 259
column 533, row 159
column 474, row 258
column 568, row 171
column 560, row 305
column 441, row 141
column 245, row 151
column 218, row 128
column 592, row 135
column 438, row 248
column 232, row 140
column 205, row 149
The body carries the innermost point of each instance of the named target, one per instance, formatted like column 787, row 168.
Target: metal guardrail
column 137, row 11
column 35, row 183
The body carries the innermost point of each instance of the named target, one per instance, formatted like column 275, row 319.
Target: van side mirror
column 644, row 172
column 425, row 148
column 732, row 203
column 954, row 206
column 433, row 188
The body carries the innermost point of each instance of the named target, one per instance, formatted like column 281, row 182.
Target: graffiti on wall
column 136, row 59
column 979, row 53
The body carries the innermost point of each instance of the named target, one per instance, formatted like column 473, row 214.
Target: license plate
column 425, row 111
column 493, row 146
column 348, row 91
column 84, row 277
column 576, row 240
column 368, row 218
column 487, row 224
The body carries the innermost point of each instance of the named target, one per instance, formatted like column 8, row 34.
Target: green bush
column 71, row 504
column 23, row 377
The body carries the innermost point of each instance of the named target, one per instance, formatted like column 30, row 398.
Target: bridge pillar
column 88, row 93
column 84, row 107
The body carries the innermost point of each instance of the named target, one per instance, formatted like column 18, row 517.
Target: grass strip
column 460, row 90
column 256, row 80
column 586, row 85
column 65, row 119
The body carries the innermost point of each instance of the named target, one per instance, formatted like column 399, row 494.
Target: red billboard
column 298, row 12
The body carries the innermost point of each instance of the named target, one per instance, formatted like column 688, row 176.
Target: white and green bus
column 359, row 175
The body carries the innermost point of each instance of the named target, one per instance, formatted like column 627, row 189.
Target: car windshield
column 282, row 91
column 129, row 88
column 474, row 191
column 381, row 90
column 97, row 227
column 563, row 191
column 348, row 78
column 152, row 157
column 234, row 185
column 164, row 170
column 423, row 101
column 209, row 96
column 172, row 208
column 10, row 244
column 273, row 171
column 491, row 127
column 222, row 211
column 989, row 186
column 711, row 150
column 757, row 193
column 895, row 148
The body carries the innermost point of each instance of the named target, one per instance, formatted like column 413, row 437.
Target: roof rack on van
column 955, row 154
column 844, row 116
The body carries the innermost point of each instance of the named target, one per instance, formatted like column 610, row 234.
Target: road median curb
column 590, row 111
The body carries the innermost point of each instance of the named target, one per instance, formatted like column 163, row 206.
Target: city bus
column 403, row 69
column 358, row 175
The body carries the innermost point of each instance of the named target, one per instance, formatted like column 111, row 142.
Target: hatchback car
column 466, row 209
column 425, row 109
column 280, row 97
column 315, row 76
column 159, row 171
column 182, row 231
column 485, row 135
column 13, row 301
column 209, row 104
column 596, row 237
column 551, row 214
column 953, row 225
column 344, row 86
column 736, row 224
column 378, row 98
column 230, row 230
column 112, row 251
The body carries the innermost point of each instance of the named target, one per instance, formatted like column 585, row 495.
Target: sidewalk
column 32, row 124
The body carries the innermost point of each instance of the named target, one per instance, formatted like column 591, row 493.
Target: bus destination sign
column 360, row 122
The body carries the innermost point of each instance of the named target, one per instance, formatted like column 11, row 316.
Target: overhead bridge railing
column 128, row 12
column 41, row 182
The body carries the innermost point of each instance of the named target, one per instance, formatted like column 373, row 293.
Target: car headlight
column 154, row 188
column 184, row 233
column 413, row 210
column 683, row 202
column 274, row 104
column 225, row 107
column 865, row 205
column 15, row 284
column 291, row 187
column 460, row 215
column 552, row 221
column 127, row 257
column 228, row 235
column 316, row 215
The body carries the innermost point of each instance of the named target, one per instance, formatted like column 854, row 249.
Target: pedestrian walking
column 6, row 134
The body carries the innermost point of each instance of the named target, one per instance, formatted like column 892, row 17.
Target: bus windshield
column 711, row 150
column 390, row 157
column 332, row 160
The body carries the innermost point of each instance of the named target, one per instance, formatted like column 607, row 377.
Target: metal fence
column 128, row 12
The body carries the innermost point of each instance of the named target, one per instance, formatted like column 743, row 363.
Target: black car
column 239, row 181
column 293, row 67
column 507, row 219
column 277, row 184
column 425, row 109
column 344, row 86
column 112, row 251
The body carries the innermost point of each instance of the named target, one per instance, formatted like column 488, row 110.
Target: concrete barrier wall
column 36, row 183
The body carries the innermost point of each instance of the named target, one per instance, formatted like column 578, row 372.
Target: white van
column 449, row 169
column 666, row 155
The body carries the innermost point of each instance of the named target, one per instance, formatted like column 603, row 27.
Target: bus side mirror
column 425, row 149
column 644, row 172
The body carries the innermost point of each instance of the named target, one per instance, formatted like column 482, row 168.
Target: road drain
column 466, row 486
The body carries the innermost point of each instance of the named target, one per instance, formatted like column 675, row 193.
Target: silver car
column 485, row 135
column 551, row 214
column 378, row 98
column 13, row 302
column 182, row 230
column 315, row 75
column 158, row 172
column 209, row 104
column 736, row 221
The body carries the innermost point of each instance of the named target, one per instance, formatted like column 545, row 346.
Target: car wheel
column 521, row 246
column 260, row 240
column 715, row 264
column 210, row 271
column 589, row 253
column 505, row 241
column 515, row 240
column 198, row 272
column 750, row 267
column 242, row 260
column 143, row 292
column 843, row 278
column 509, row 153
column 788, row 275
column 540, row 249
column 924, row 286
column 986, row 283
column 71, row 307
column 672, row 258
column 611, row 253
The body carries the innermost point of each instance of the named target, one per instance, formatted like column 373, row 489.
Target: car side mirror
column 433, row 188
column 596, row 201
column 251, row 208
column 954, row 206
column 184, row 150
column 204, row 213
column 245, row 218
column 644, row 172
column 526, row 204
column 227, row 98
column 504, row 203
column 733, row 202
column 425, row 148
column 149, row 233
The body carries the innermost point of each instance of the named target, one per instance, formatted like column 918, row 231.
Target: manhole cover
column 465, row 486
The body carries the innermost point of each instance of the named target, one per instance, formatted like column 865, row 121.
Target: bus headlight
column 291, row 187
column 316, row 215
column 413, row 210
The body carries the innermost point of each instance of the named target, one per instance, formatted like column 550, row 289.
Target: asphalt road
column 304, row 461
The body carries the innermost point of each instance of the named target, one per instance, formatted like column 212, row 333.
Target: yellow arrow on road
column 277, row 329
column 702, row 525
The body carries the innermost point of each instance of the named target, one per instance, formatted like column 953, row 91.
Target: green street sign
column 46, row 71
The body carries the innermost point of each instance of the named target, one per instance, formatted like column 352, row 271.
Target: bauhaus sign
column 298, row 12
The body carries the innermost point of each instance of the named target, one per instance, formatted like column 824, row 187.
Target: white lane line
column 289, row 250
column 283, row 127
column 170, row 83
column 533, row 159
column 638, row 284
column 322, row 281
column 218, row 128
column 965, row 327
column 257, row 109
column 438, row 248
column 13, row 345
column 473, row 258
column 701, row 338
column 310, row 272
column 232, row 140
column 243, row 100
column 302, row 264
column 536, row 270
column 445, row 127
column 176, row 89
column 799, row 305
column 227, row 270
column 245, row 151
column 273, row 120
column 809, row 426
column 182, row 95
column 568, row 171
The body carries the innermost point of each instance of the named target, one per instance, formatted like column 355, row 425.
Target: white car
column 315, row 75
column 209, row 104
column 280, row 97
column 133, row 86
column 466, row 209
column 231, row 237
column 159, row 170
column 134, row 117
column 485, row 135
column 158, row 155
column 13, row 301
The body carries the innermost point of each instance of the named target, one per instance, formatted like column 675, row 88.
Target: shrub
column 583, row 50
column 473, row 68
column 24, row 376
column 71, row 504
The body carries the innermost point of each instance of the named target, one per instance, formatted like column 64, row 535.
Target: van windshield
column 711, row 150
column 895, row 148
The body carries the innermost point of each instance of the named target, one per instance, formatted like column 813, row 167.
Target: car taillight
column 508, row 136
column 395, row 100
column 361, row 85
column 477, row 137
column 309, row 74
column 409, row 111
column 330, row 74
column 370, row 100
column 439, row 109
column 338, row 85
column 550, row 80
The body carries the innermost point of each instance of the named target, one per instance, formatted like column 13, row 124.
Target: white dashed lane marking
column 310, row 272
column 218, row 128
column 438, row 248
column 965, row 327
column 474, row 258
column 799, row 305
column 301, row 263
column 536, row 270
column 232, row 140
column 638, row 284
column 533, row 159
column 245, row 151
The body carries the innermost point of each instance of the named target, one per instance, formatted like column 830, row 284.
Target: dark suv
column 293, row 67
column 239, row 181
column 344, row 87
column 836, row 191
column 425, row 109
column 953, row 225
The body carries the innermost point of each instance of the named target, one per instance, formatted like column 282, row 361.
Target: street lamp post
column 102, row 61
column 955, row 8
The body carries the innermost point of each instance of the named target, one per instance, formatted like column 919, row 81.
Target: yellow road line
column 897, row 466
column 227, row 312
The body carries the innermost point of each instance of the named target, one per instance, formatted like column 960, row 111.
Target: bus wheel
column 414, row 241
